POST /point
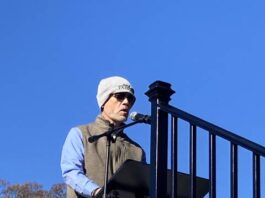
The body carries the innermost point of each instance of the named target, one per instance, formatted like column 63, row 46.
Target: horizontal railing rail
column 214, row 129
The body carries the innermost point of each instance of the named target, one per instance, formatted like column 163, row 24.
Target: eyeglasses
column 121, row 96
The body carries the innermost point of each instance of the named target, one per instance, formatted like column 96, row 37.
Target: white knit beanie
column 114, row 84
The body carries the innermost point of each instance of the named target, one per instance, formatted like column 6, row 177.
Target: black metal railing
column 159, row 95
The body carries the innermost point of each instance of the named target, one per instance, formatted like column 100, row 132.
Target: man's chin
column 122, row 119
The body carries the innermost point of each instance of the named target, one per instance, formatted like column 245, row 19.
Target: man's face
column 117, row 107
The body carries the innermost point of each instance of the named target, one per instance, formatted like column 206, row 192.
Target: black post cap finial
column 160, row 90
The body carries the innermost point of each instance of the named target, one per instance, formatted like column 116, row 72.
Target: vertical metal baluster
column 256, row 176
column 234, row 171
column 192, row 161
column 212, row 165
column 174, row 156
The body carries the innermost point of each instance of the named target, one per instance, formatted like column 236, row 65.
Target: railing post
column 212, row 165
column 234, row 171
column 159, row 93
column 256, row 176
column 193, row 160
column 174, row 157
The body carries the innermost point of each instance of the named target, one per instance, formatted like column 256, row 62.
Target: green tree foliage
column 31, row 190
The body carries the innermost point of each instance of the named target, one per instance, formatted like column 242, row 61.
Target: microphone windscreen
column 133, row 116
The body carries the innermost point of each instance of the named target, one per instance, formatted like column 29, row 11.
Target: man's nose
column 126, row 100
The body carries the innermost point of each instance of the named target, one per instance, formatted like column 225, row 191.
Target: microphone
column 140, row 117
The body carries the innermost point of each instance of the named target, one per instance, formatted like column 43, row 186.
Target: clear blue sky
column 53, row 54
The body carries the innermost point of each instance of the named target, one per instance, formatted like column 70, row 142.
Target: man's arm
column 72, row 164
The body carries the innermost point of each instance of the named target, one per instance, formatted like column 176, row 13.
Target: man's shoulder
column 84, row 128
column 81, row 126
column 88, row 129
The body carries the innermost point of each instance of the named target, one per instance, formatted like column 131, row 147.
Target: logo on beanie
column 124, row 87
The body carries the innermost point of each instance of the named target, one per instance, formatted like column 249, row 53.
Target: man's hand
column 95, row 192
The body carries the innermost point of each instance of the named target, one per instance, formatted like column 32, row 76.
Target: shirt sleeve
column 72, row 164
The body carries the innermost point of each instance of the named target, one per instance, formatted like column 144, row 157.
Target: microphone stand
column 111, row 136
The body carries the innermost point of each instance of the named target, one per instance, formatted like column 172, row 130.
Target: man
column 82, row 162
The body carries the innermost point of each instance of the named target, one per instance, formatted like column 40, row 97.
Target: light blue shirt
column 72, row 164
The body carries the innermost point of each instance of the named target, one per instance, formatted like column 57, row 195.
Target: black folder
column 132, row 181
